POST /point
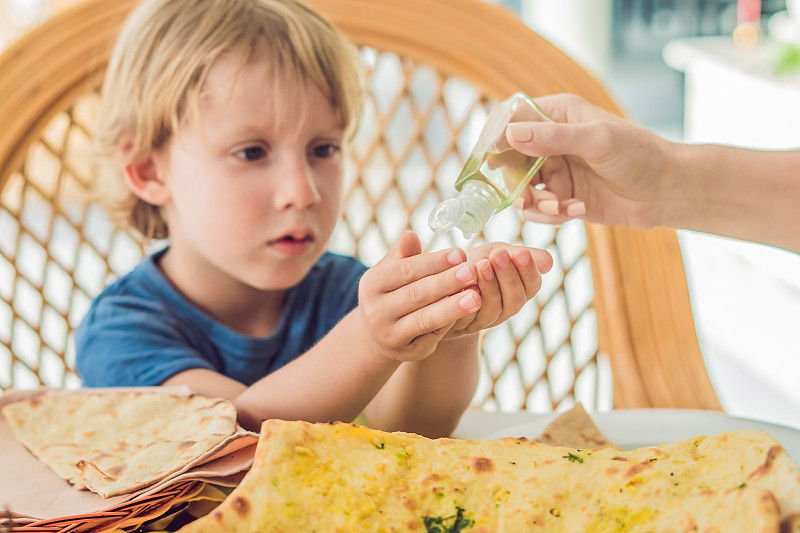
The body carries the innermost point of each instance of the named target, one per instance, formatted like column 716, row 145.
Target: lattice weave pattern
column 59, row 248
column 57, row 251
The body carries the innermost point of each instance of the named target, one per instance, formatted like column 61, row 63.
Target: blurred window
column 643, row 27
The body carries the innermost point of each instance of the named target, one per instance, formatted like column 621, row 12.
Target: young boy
column 228, row 120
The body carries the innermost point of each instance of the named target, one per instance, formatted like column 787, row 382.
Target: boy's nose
column 297, row 188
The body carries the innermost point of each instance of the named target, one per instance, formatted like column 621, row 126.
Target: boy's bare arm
column 208, row 383
column 332, row 381
column 337, row 382
column 429, row 396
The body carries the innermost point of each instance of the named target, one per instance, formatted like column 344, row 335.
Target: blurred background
column 683, row 69
column 723, row 71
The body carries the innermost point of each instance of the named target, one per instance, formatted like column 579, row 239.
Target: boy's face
column 254, row 189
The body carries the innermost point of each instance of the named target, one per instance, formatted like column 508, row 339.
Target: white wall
column 581, row 28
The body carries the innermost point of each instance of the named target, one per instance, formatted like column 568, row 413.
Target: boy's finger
column 543, row 260
column 429, row 290
column 401, row 272
column 512, row 291
column 528, row 271
column 491, row 301
column 440, row 314
column 408, row 245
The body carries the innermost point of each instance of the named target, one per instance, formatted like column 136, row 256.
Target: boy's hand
column 410, row 300
column 508, row 276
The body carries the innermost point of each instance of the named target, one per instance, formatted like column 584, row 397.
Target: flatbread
column 576, row 429
column 114, row 443
column 346, row 478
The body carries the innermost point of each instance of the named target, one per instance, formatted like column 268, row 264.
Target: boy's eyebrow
column 336, row 131
column 247, row 130
column 255, row 130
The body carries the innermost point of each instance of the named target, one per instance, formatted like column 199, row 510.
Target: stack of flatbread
column 115, row 445
column 341, row 477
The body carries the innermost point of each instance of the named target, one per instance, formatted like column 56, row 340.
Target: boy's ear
column 146, row 182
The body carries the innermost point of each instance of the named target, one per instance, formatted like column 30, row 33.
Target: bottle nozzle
column 469, row 212
column 446, row 215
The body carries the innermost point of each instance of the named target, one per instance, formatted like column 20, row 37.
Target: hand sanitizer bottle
column 494, row 174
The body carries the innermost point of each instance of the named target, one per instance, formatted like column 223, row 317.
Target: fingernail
column 548, row 207
column 468, row 302
column 502, row 259
column 463, row 274
column 454, row 258
column 487, row 273
column 520, row 132
column 522, row 259
column 576, row 210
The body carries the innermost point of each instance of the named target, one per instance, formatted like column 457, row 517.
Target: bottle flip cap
column 446, row 215
column 468, row 212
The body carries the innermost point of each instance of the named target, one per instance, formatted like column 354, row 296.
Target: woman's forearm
column 745, row 194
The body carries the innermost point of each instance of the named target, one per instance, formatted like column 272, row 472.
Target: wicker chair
column 612, row 325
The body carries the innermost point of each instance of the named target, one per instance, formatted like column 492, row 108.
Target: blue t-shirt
column 141, row 331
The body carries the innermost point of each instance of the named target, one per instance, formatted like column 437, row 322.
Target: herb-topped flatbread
column 346, row 478
column 118, row 442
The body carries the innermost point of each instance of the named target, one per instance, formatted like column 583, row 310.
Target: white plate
column 635, row 428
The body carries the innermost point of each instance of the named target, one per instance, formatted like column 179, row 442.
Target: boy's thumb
column 408, row 245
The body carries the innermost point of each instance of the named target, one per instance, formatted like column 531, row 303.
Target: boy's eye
column 251, row 153
column 324, row 150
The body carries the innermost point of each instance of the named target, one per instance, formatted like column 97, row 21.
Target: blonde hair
column 161, row 59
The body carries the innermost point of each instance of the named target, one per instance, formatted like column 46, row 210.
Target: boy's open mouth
column 294, row 239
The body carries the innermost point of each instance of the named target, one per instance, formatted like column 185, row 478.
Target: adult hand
column 601, row 168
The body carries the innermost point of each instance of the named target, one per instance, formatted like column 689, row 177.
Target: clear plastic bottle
column 494, row 174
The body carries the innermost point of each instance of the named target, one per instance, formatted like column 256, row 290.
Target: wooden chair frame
column 645, row 322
